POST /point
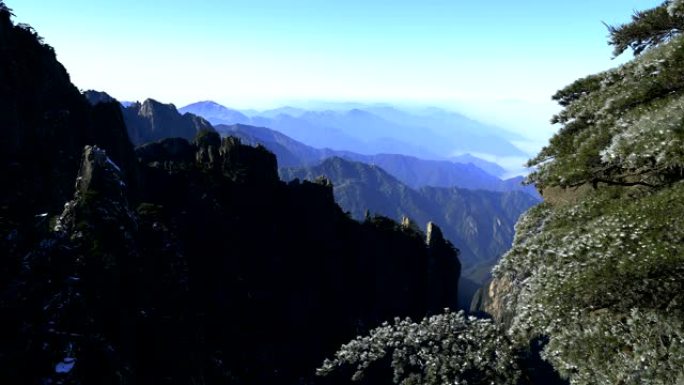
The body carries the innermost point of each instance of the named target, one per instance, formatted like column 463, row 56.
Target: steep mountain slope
column 479, row 222
column 488, row 167
column 420, row 172
column 182, row 262
column 441, row 120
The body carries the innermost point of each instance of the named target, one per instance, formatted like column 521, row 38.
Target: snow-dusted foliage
column 603, row 279
column 601, row 273
column 676, row 8
column 449, row 348
column 631, row 101
column 655, row 141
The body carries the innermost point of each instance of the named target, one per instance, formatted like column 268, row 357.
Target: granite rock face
column 151, row 121
column 443, row 266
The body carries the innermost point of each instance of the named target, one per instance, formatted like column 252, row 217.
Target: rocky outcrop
column 151, row 121
column 247, row 164
column 97, row 97
column 99, row 186
column 443, row 268
column 490, row 300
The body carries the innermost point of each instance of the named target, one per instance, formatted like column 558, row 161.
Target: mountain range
column 412, row 171
column 476, row 210
column 391, row 185
column 371, row 129
column 396, row 186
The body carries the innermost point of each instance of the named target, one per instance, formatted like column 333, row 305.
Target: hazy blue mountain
column 215, row 113
column 311, row 133
column 418, row 137
column 286, row 110
column 490, row 167
column 442, row 118
column 516, row 183
column 456, row 127
column 289, row 152
column 411, row 171
column 370, row 129
column 416, row 172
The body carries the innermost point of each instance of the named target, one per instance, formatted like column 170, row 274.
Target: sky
column 498, row 61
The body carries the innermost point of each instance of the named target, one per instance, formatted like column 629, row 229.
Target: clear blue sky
column 498, row 60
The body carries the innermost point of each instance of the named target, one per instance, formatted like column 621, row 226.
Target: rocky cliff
column 151, row 121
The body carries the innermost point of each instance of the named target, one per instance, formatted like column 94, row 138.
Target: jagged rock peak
column 97, row 97
column 98, row 172
column 151, row 121
column 242, row 162
column 434, row 235
column 208, row 144
column 323, row 181
column 100, row 185
column 405, row 222
column 149, row 106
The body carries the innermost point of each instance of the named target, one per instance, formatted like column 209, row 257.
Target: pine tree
column 648, row 28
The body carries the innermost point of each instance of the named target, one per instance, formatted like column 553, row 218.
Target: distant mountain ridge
column 218, row 114
column 431, row 134
column 487, row 166
column 367, row 182
column 412, row 171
